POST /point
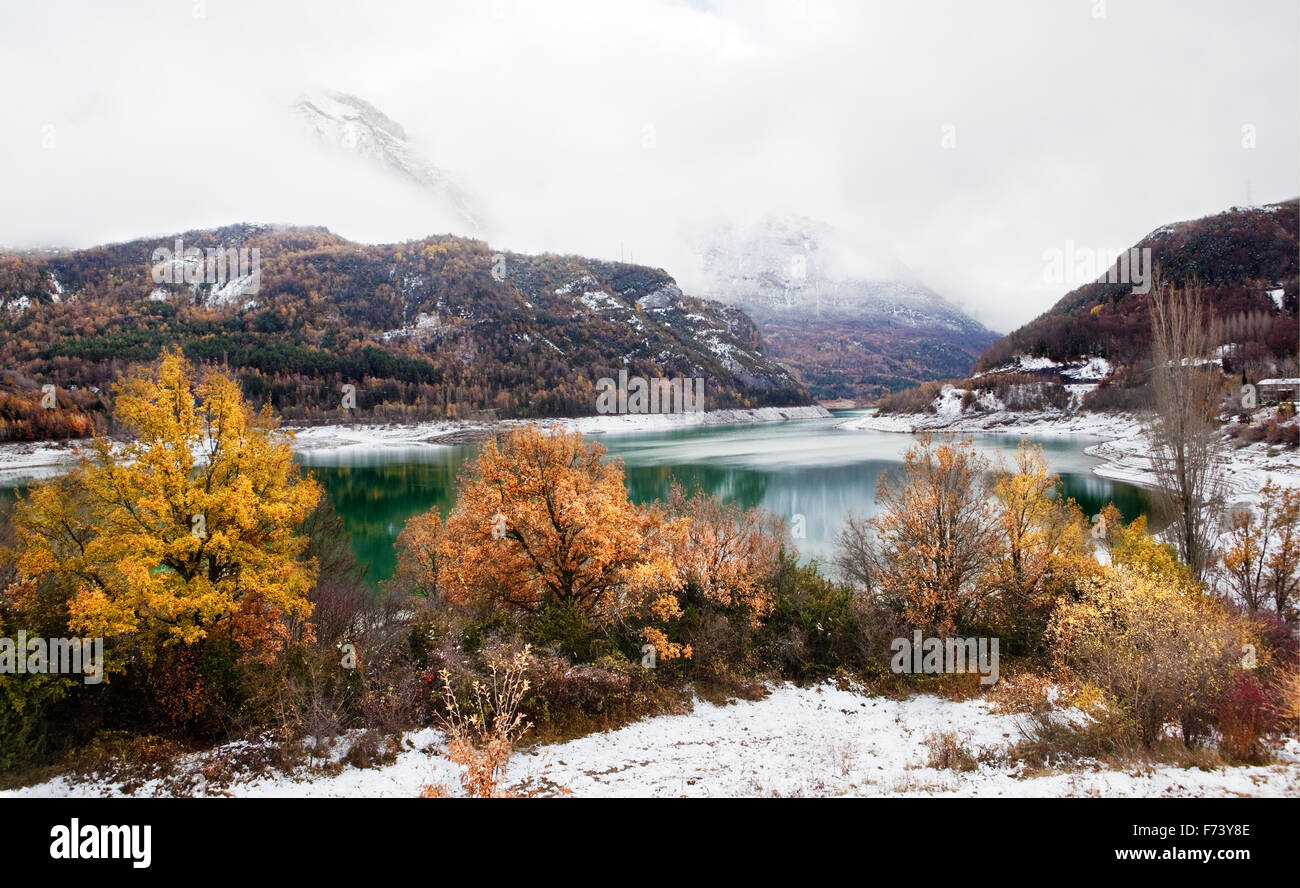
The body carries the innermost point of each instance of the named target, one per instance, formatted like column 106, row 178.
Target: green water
column 806, row 468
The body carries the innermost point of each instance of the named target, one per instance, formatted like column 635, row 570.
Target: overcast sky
column 618, row 127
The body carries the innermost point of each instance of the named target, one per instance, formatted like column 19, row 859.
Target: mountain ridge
column 1091, row 349
column 441, row 327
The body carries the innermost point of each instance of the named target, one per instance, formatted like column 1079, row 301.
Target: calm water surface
column 808, row 468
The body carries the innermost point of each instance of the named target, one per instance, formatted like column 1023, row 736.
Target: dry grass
column 949, row 753
column 1286, row 690
column 481, row 738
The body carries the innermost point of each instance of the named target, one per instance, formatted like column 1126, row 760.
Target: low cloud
column 966, row 139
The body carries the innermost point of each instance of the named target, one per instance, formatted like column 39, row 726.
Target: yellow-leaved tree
column 1044, row 552
column 1162, row 648
column 188, row 530
column 1260, row 561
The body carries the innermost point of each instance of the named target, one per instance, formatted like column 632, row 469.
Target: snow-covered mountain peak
column 353, row 125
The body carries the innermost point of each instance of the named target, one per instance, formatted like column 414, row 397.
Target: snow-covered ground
column 37, row 459
column 818, row 741
column 1125, row 448
column 46, row 458
column 333, row 437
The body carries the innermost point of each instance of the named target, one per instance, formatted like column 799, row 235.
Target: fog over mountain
column 963, row 139
column 361, row 130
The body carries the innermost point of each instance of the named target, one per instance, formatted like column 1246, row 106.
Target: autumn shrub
column 947, row 752
column 925, row 553
column 1041, row 554
column 1132, row 547
column 568, row 699
column 1258, row 562
column 372, row 749
column 1277, row 431
column 1026, row 691
column 703, row 618
column 1252, row 434
column 1284, row 689
column 420, row 558
column 1162, row 650
column 722, row 554
column 126, row 758
column 397, row 695
column 182, row 695
column 1243, row 715
column 1105, row 731
column 482, row 733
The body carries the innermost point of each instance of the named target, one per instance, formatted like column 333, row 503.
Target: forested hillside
column 1092, row 349
column 1240, row 256
column 441, row 327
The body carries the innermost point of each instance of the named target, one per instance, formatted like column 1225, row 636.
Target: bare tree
column 1187, row 450
column 936, row 533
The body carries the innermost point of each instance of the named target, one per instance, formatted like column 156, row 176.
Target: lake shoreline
column 1124, row 451
column 38, row 459
column 449, row 432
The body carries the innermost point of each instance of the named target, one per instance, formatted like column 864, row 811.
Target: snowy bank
column 42, row 459
column 38, row 459
column 818, row 741
column 337, row 437
column 1125, row 449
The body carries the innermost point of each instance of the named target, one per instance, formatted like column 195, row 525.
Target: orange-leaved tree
column 419, row 559
column 188, row 530
column 541, row 519
column 722, row 553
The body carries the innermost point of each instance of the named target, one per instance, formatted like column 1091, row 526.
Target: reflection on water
column 808, row 468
